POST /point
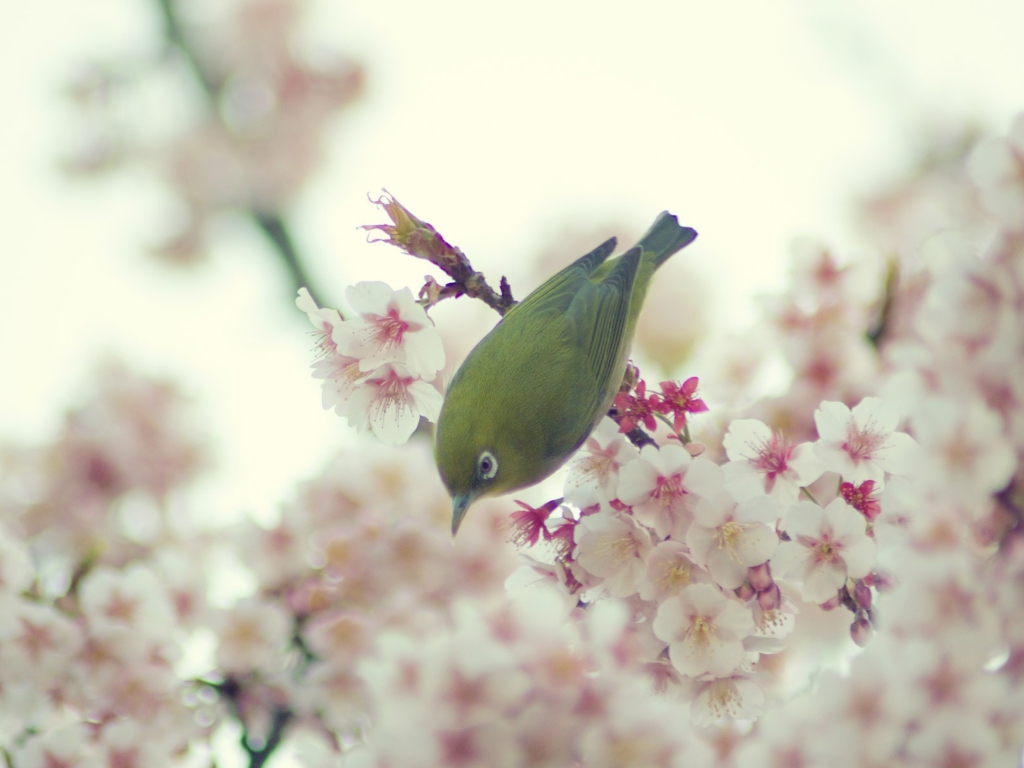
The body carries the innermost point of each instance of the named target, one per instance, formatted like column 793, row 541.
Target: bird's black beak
column 460, row 505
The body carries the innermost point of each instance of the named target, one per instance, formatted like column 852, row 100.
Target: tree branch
column 418, row 238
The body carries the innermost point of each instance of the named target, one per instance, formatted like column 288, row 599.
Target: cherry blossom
column 134, row 597
column 389, row 327
column 252, row 635
column 704, row 630
column 680, row 400
column 637, row 408
column 762, row 462
column 612, row 547
column 389, row 403
column 670, row 569
column 662, row 485
column 341, row 373
column 828, row 546
column 593, row 473
column 730, row 538
column 736, row 696
column 964, row 449
column 862, row 444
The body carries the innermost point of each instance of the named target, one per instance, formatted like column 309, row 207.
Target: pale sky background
column 755, row 122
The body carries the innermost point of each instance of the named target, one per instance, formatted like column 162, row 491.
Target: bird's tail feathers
column 666, row 237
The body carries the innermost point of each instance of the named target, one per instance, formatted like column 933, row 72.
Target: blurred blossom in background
column 207, row 558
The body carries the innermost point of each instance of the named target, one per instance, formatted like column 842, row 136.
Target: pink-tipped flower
column 762, row 462
column 680, row 400
column 637, row 408
column 827, row 547
column 862, row 444
column 861, row 497
column 390, row 401
column 529, row 523
column 340, row 373
column 662, row 486
column 389, row 327
column 593, row 476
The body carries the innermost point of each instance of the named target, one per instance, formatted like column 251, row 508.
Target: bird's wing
column 558, row 292
column 599, row 316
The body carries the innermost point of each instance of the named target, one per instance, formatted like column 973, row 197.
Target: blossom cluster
column 638, row 407
column 103, row 583
column 377, row 366
column 516, row 684
column 115, row 649
column 711, row 558
column 345, row 567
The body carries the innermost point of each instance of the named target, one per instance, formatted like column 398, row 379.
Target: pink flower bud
column 883, row 582
column 862, row 595
column 760, row 577
column 861, row 630
column 744, row 591
column 770, row 599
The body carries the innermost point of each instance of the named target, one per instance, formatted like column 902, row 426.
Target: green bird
column 528, row 395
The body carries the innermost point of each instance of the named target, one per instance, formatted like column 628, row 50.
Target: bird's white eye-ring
column 486, row 466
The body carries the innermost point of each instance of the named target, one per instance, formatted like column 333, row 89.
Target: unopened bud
column 744, row 591
column 862, row 595
column 770, row 599
column 695, row 449
column 861, row 630
column 760, row 577
column 883, row 582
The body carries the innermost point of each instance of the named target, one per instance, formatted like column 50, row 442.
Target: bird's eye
column 486, row 466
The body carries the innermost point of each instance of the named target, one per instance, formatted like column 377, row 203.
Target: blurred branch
column 878, row 331
column 276, row 229
column 271, row 223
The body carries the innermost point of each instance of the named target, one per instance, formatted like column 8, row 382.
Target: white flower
column 862, row 444
column 613, row 548
column 828, row 546
column 323, row 319
column 593, row 474
column 965, row 453
column 252, row 635
column 670, row 570
column 662, row 484
column 340, row 373
column 134, row 597
column 730, row 538
column 37, row 643
column 736, row 696
column 704, row 630
column 761, row 462
column 390, row 401
column 390, row 328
